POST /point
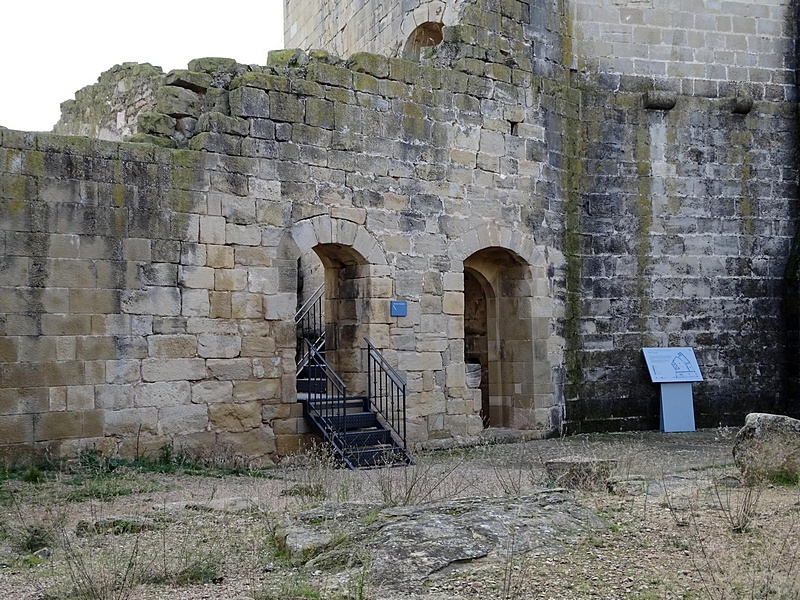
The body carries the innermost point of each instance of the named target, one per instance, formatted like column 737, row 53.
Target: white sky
column 49, row 49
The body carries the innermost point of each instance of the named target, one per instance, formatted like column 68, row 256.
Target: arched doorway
column 333, row 285
column 476, row 335
column 499, row 332
column 352, row 265
column 425, row 35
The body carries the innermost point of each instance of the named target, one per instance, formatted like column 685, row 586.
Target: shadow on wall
column 791, row 315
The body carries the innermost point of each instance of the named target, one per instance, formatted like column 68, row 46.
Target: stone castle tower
column 548, row 186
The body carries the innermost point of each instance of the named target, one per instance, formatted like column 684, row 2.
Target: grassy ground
column 678, row 524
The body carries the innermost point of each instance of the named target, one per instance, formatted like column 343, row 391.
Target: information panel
column 672, row 365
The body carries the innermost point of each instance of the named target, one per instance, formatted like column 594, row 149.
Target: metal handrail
column 301, row 312
column 318, row 344
column 387, row 391
column 332, row 403
column 308, row 320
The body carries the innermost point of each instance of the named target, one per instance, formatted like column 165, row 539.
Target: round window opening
column 427, row 34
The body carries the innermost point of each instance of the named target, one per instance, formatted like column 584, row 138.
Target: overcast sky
column 49, row 49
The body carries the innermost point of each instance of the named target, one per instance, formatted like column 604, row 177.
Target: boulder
column 768, row 448
column 580, row 472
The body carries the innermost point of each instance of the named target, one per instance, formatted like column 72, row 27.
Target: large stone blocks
column 161, row 284
column 235, row 417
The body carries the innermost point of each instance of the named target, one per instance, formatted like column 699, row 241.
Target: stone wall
column 110, row 108
column 791, row 314
column 147, row 290
column 694, row 47
column 345, row 27
column 167, row 278
column 686, row 219
column 133, row 313
column 706, row 218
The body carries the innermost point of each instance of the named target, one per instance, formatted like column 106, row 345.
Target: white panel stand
column 677, row 407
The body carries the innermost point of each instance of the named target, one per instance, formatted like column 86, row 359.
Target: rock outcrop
column 404, row 546
column 768, row 447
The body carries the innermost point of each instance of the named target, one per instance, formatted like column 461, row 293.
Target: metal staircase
column 365, row 430
column 310, row 326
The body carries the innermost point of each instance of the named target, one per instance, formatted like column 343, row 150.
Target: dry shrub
column 434, row 477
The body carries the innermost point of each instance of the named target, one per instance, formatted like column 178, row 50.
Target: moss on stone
column 372, row 64
column 323, row 56
column 212, row 64
column 155, row 140
column 67, row 144
column 180, row 200
column 119, row 223
column 284, row 59
column 498, row 72
column 216, row 142
column 362, row 82
column 644, row 210
column 118, row 195
column 139, row 152
column 394, row 89
column 330, row 75
column 218, row 123
column 303, row 87
column 741, row 140
column 572, row 177
column 34, row 163
column 319, row 113
column 262, row 81
column 156, row 124
column 187, row 179
column 430, row 77
column 455, row 34
column 406, row 71
column 188, row 159
column 193, row 80
column 178, row 102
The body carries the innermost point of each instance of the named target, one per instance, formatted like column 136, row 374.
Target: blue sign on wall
column 398, row 308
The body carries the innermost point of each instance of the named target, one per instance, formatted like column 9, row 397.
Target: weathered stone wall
column 700, row 198
column 791, row 322
column 694, row 47
column 110, row 108
column 133, row 312
column 146, row 292
column 345, row 27
column 686, row 219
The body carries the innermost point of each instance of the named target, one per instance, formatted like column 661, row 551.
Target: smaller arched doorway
column 336, row 277
column 499, row 331
column 476, row 335
column 351, row 264
column 424, row 36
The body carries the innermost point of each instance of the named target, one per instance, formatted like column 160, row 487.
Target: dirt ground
column 676, row 522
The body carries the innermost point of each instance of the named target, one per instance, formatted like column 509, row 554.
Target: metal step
column 330, row 405
column 378, row 456
column 311, row 386
column 366, row 437
column 352, row 421
column 360, row 437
